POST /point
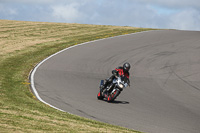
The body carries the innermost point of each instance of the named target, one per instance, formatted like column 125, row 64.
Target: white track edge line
column 32, row 72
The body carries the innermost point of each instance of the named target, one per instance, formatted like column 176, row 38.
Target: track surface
column 164, row 96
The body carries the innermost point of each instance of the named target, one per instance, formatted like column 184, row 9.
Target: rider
column 120, row 71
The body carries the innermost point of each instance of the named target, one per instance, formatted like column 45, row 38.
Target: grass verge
column 22, row 46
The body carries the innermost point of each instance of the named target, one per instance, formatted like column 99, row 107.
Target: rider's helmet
column 126, row 67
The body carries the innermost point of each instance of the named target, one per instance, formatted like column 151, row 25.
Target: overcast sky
column 173, row 14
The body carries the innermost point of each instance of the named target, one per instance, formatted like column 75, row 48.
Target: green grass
column 20, row 111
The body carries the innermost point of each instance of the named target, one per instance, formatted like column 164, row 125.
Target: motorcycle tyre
column 99, row 95
column 112, row 98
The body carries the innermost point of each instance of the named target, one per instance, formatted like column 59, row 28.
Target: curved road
column 164, row 96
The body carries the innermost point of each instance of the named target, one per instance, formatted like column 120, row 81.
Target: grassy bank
column 22, row 46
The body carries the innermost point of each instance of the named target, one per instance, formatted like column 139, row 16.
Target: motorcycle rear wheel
column 99, row 96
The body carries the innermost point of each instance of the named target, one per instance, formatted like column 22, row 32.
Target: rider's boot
column 104, row 86
column 107, row 81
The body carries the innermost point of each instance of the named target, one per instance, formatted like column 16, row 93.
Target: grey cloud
column 138, row 13
column 173, row 3
column 186, row 20
column 28, row 1
column 68, row 12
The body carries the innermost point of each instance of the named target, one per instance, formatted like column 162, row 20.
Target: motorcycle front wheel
column 113, row 96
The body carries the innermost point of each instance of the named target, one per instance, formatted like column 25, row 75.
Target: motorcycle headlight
column 121, row 86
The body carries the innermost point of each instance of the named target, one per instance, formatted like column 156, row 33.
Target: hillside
column 22, row 46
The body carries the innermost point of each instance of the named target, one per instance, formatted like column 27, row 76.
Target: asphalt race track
column 164, row 96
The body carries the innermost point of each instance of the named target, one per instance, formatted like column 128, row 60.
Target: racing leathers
column 117, row 72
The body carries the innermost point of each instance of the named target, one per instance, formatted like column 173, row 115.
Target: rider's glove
column 115, row 73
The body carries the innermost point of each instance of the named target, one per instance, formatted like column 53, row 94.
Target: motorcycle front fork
column 107, row 90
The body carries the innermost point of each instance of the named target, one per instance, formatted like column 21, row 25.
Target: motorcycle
column 113, row 89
